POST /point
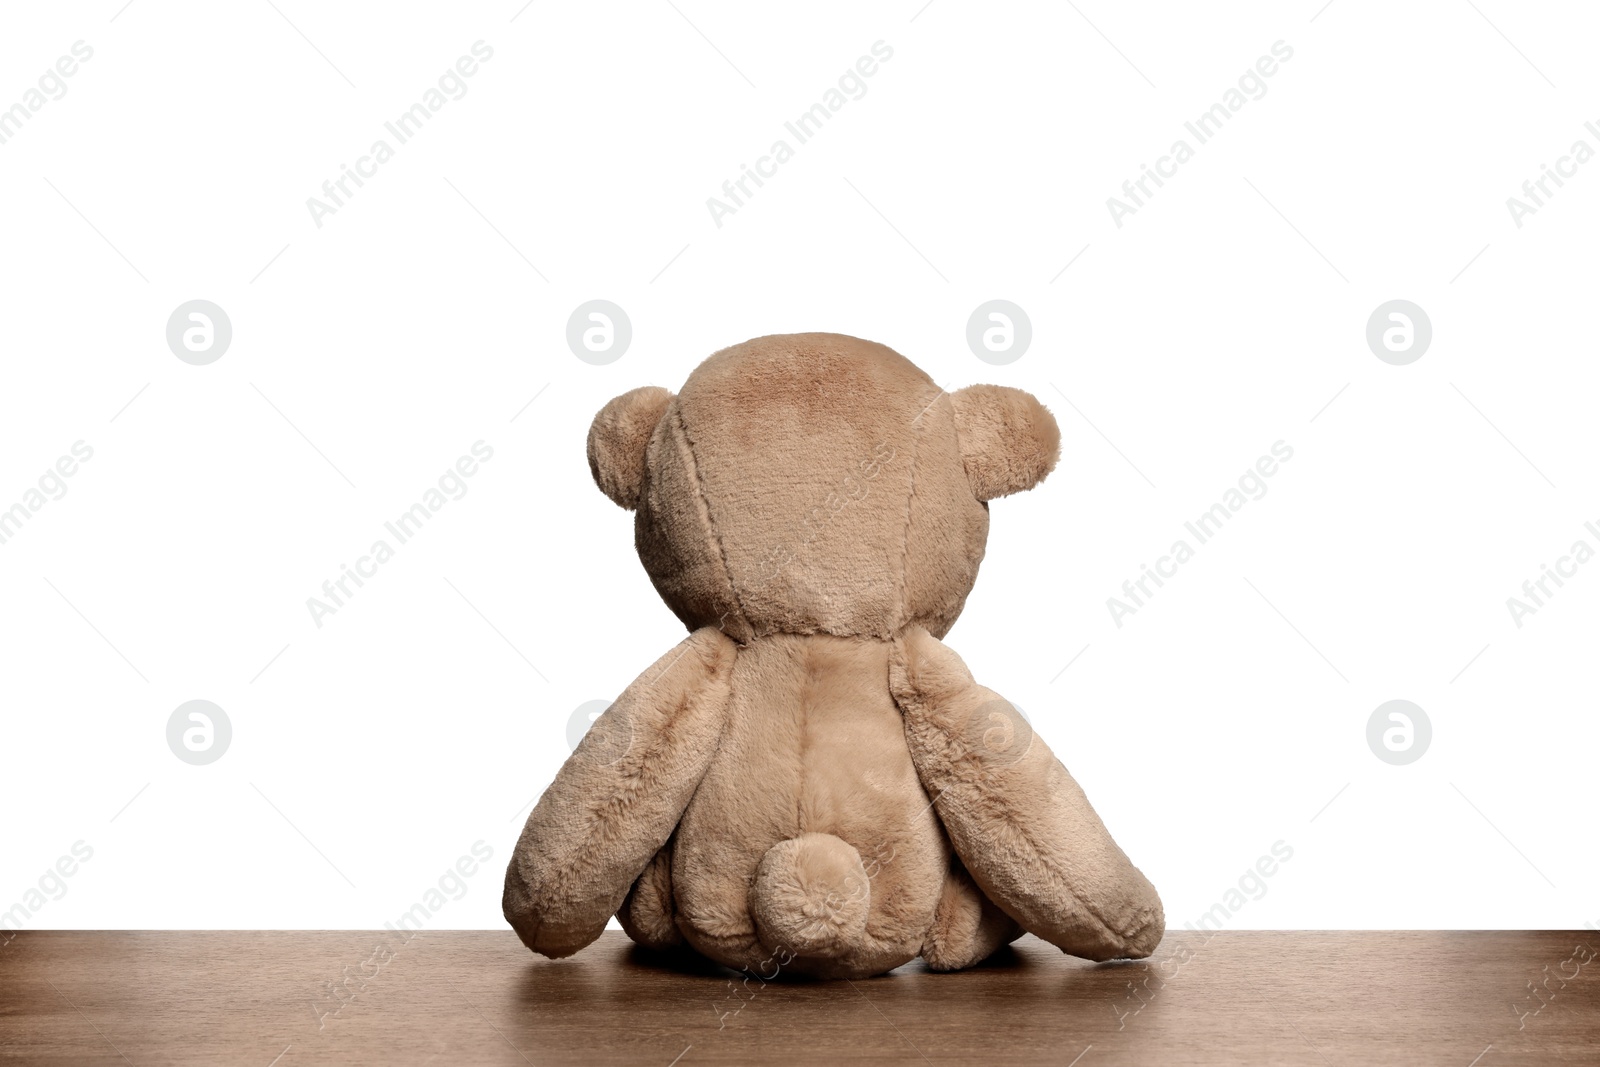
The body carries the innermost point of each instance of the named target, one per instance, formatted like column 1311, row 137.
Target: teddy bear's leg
column 647, row 913
column 616, row 801
column 967, row 926
column 1015, row 816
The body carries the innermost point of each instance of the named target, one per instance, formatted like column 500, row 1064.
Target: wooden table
column 290, row 998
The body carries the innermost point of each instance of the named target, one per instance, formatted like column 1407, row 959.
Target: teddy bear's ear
column 618, row 438
column 1009, row 441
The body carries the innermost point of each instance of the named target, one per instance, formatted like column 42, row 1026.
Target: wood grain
column 1459, row 999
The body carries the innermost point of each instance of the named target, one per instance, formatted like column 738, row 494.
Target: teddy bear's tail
column 811, row 896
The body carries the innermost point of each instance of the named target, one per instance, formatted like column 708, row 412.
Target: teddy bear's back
column 814, row 745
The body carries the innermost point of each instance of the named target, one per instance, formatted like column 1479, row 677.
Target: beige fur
column 617, row 441
column 812, row 782
column 1010, row 441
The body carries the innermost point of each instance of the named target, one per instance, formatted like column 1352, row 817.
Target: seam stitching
column 711, row 526
column 905, row 539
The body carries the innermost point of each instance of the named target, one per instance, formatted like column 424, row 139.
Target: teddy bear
column 812, row 782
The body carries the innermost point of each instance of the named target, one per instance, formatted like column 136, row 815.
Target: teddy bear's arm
column 615, row 802
column 1017, row 819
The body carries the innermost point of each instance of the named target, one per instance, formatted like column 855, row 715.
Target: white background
column 368, row 354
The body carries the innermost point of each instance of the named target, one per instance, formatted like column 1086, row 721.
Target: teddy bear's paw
column 1147, row 935
column 811, row 896
column 967, row 926
column 647, row 914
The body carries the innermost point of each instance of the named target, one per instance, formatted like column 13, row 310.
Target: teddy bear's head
column 807, row 483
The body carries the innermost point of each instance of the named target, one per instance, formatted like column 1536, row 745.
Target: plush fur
column 617, row 441
column 812, row 782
